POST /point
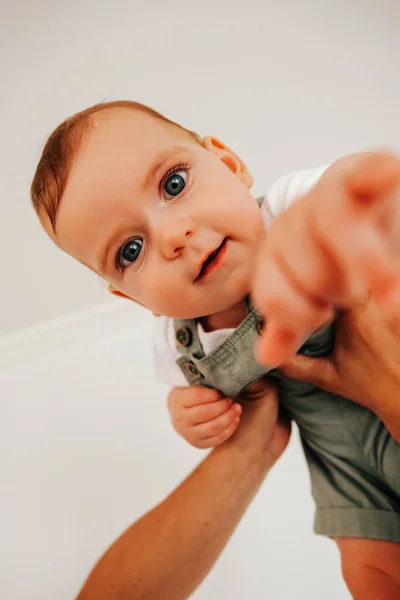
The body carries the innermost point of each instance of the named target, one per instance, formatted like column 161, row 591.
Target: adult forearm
column 169, row 551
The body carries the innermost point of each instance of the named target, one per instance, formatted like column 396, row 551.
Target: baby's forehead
column 121, row 151
column 122, row 144
column 139, row 127
column 125, row 141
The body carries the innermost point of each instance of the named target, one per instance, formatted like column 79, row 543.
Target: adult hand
column 365, row 364
column 167, row 553
column 261, row 424
column 328, row 249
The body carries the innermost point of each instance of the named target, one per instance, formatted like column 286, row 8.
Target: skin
column 365, row 363
column 330, row 249
column 144, row 564
column 204, row 420
column 116, row 193
column 107, row 200
column 110, row 200
column 303, row 267
column 364, row 366
column 168, row 552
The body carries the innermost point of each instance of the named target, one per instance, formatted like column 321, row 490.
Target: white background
column 86, row 448
column 289, row 85
column 85, row 443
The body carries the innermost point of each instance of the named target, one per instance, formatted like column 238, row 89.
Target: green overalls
column 354, row 463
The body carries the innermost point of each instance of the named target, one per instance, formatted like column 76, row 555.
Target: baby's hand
column 202, row 416
column 329, row 250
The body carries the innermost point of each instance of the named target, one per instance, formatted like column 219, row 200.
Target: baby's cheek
column 167, row 297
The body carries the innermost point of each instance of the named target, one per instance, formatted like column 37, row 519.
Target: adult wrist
column 256, row 453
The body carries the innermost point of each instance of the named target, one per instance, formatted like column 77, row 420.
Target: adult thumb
column 319, row 371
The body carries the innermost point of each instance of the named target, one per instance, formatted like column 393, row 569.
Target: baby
column 167, row 219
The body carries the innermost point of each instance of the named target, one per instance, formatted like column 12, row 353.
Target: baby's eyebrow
column 158, row 163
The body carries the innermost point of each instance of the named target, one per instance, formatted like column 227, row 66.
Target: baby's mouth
column 211, row 261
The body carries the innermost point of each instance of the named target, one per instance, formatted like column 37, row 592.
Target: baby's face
column 166, row 221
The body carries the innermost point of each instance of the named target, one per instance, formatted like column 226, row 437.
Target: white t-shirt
column 281, row 195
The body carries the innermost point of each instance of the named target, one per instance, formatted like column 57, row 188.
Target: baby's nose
column 175, row 236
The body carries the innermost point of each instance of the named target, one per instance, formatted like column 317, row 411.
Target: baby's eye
column 174, row 184
column 129, row 253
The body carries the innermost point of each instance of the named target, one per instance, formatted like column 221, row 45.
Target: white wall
column 288, row 84
column 86, row 447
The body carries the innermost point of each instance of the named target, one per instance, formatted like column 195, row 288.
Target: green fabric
column 353, row 461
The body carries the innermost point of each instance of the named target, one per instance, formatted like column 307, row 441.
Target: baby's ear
column 229, row 158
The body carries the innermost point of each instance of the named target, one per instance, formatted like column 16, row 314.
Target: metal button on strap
column 260, row 325
column 192, row 370
column 184, row 336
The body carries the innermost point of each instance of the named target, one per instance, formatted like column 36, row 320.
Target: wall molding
column 41, row 341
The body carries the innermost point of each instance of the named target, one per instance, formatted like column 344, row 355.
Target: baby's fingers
column 221, row 437
column 215, row 427
column 197, row 396
column 204, row 413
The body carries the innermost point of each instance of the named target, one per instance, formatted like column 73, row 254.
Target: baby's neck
column 226, row 319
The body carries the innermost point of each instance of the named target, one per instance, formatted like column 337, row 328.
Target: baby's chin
column 220, row 306
column 215, row 297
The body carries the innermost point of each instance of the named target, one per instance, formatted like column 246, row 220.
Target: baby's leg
column 371, row 568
